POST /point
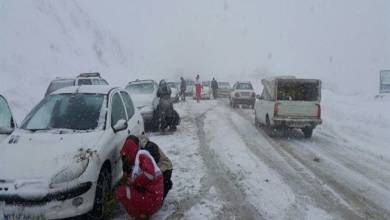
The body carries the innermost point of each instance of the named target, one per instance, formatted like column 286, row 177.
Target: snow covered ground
column 226, row 168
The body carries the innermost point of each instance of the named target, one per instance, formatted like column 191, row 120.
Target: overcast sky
column 337, row 40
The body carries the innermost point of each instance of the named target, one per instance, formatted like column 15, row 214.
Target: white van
column 288, row 102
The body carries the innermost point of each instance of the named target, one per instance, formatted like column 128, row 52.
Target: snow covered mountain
column 43, row 39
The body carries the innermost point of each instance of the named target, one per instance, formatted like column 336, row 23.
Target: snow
column 225, row 167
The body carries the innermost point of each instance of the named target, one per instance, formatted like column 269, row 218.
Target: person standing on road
column 198, row 88
column 141, row 192
column 183, row 88
column 214, row 87
column 163, row 162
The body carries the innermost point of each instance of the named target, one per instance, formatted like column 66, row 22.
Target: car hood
column 141, row 100
column 41, row 155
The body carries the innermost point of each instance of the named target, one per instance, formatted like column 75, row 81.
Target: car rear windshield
column 140, row 88
column 172, row 85
column 244, row 86
column 59, row 84
column 67, row 111
column 298, row 91
column 224, row 85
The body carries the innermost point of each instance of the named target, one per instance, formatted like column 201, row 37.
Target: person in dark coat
column 183, row 88
column 214, row 87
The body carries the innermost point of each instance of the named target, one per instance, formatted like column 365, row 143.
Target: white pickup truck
column 288, row 102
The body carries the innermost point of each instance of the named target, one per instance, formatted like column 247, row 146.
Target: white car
column 175, row 96
column 288, row 102
column 81, row 79
column 7, row 123
column 144, row 94
column 65, row 157
column 242, row 94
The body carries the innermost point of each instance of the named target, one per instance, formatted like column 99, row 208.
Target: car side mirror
column 120, row 125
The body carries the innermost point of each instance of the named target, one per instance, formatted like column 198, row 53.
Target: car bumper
column 244, row 101
column 296, row 122
column 147, row 116
column 57, row 205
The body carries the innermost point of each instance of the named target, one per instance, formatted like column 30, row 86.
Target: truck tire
column 307, row 132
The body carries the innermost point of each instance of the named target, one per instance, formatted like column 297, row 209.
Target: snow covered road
column 226, row 168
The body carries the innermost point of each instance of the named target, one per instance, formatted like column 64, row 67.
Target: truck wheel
column 257, row 124
column 307, row 132
column 268, row 127
column 101, row 196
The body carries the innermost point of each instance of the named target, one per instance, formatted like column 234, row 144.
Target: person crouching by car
column 163, row 162
column 141, row 192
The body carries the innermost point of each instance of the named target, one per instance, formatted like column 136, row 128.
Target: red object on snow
column 198, row 90
column 142, row 194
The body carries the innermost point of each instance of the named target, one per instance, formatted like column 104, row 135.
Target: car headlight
column 72, row 172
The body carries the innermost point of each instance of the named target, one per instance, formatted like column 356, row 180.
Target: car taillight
column 276, row 109
column 237, row 94
column 318, row 111
column 253, row 94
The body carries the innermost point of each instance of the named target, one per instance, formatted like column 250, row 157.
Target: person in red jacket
column 141, row 192
column 198, row 88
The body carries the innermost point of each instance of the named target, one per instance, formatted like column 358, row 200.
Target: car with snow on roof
column 65, row 157
column 242, row 94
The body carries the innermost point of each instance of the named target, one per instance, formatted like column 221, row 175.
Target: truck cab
column 288, row 102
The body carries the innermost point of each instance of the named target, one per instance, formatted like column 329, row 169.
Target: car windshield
column 244, row 86
column 67, row 111
column 224, row 85
column 59, row 84
column 5, row 117
column 140, row 88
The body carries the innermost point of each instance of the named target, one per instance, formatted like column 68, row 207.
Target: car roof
column 99, row 89
column 244, row 82
column 142, row 81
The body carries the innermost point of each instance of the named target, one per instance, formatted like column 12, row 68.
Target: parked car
column 190, row 87
column 81, row 79
column 206, row 91
column 65, row 157
column 7, row 122
column 224, row 89
column 175, row 96
column 242, row 94
column 288, row 102
column 144, row 94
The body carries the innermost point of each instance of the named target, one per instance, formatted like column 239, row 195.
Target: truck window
column 298, row 91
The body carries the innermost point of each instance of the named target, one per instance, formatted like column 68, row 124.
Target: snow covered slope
column 43, row 39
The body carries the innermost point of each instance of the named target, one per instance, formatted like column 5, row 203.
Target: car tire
column 257, row 124
column 307, row 132
column 103, row 186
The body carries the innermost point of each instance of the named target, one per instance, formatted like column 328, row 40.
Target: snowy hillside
column 43, row 39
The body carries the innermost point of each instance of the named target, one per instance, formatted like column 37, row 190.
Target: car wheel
column 257, row 124
column 307, row 132
column 101, row 196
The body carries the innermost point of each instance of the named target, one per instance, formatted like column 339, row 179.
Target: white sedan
column 65, row 157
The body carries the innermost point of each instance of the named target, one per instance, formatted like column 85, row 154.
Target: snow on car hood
column 142, row 99
column 41, row 155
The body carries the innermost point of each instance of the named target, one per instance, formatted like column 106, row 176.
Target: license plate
column 22, row 217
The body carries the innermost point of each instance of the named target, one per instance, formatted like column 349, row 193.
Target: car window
column 117, row 110
column 84, row 82
column 103, row 82
column 244, row 86
column 59, row 84
column 129, row 104
column 67, row 111
column 96, row 82
column 6, row 121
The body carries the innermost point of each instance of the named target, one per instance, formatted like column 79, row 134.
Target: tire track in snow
column 362, row 207
column 235, row 198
